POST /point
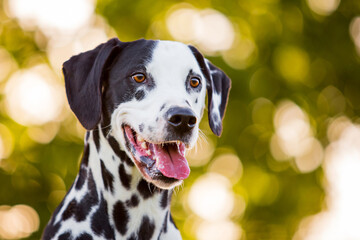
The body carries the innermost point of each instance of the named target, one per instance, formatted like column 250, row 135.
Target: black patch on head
column 82, row 177
column 164, row 199
column 65, row 236
column 162, row 107
column 124, row 177
column 121, row 154
column 141, row 127
column 119, row 87
column 107, row 177
column 96, row 138
column 172, row 221
column 85, row 157
column 121, row 217
column 146, row 229
column 146, row 189
column 139, row 95
column 100, row 221
column 133, row 201
column 84, row 236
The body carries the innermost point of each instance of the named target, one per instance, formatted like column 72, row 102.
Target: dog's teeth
column 148, row 152
column 143, row 145
column 139, row 138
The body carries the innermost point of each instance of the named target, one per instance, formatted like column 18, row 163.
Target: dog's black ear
column 218, row 87
column 83, row 75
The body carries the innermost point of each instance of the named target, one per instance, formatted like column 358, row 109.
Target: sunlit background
column 287, row 165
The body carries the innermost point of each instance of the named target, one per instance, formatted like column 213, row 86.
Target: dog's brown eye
column 138, row 77
column 194, row 82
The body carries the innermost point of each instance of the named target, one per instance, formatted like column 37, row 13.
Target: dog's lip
column 187, row 145
column 166, row 158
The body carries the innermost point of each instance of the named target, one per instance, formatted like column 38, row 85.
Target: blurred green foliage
column 299, row 54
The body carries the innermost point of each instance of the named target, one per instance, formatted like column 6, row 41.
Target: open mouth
column 163, row 161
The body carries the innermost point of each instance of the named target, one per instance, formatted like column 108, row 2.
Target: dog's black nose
column 182, row 119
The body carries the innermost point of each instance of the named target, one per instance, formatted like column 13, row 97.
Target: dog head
column 152, row 94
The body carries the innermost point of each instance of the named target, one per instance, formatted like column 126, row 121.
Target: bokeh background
column 288, row 162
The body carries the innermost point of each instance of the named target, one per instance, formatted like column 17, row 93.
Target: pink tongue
column 171, row 161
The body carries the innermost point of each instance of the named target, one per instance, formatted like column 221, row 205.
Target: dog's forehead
column 173, row 58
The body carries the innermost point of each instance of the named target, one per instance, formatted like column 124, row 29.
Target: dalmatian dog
column 141, row 103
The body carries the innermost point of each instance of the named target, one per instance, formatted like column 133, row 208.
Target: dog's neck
column 133, row 205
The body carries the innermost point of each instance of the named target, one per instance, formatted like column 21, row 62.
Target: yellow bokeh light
column 211, row 197
column 17, row 222
column 293, row 138
column 52, row 17
column 228, row 165
column 7, row 64
column 201, row 153
column 355, row 33
column 6, row 142
column 323, row 7
column 208, row 29
column 341, row 168
column 219, row 231
column 292, row 63
column 33, row 97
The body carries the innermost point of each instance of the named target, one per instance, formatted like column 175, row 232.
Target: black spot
column 187, row 102
column 107, row 177
column 150, row 128
column 132, row 237
column 82, row 177
column 146, row 189
column 65, row 236
column 162, row 107
column 51, row 230
column 139, row 95
column 172, row 221
column 84, row 236
column 196, row 100
column 85, row 157
column 124, row 177
column 121, row 154
column 164, row 227
column 157, row 119
column 70, row 210
column 164, row 199
column 121, row 217
column 141, row 127
column 133, row 201
column 100, row 221
column 96, row 138
column 146, row 229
